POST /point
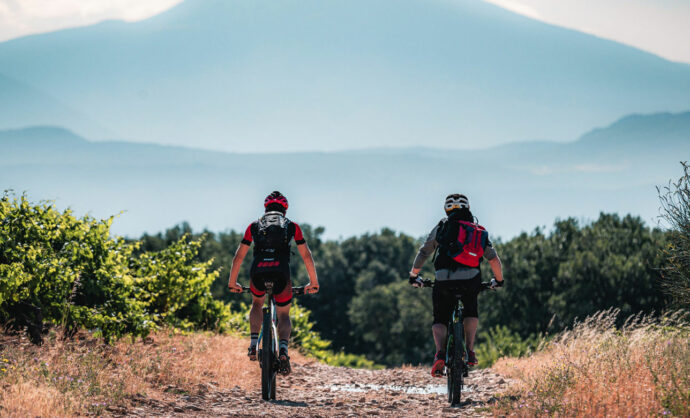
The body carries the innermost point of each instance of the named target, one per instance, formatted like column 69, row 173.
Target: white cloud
column 517, row 7
column 24, row 17
column 659, row 26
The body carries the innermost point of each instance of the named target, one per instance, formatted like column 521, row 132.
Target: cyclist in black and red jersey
column 271, row 236
column 461, row 244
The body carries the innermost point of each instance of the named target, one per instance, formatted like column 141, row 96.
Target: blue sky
column 657, row 26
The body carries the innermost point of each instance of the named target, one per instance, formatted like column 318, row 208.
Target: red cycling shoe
column 471, row 358
column 439, row 364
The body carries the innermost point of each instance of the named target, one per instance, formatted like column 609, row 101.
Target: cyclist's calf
column 255, row 315
column 284, row 323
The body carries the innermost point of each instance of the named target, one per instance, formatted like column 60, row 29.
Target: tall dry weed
column 84, row 376
column 597, row 369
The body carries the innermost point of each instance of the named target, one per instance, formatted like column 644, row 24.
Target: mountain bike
column 456, row 352
column 268, row 341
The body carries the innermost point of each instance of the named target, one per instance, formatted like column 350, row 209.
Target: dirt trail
column 314, row 389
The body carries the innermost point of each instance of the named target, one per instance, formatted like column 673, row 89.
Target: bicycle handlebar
column 295, row 290
column 430, row 283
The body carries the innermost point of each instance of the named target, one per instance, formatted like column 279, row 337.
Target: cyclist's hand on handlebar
column 496, row 284
column 236, row 288
column 311, row 288
column 415, row 281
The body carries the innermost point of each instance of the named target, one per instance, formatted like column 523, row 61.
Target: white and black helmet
column 456, row 201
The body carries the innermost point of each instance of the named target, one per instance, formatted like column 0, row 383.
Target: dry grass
column 83, row 376
column 641, row 369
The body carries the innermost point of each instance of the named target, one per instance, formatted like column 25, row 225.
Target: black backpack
column 271, row 244
column 449, row 247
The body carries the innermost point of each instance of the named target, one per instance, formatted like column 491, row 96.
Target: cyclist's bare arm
column 497, row 268
column 305, row 252
column 241, row 252
column 425, row 251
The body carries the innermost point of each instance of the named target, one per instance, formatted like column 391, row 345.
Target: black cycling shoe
column 284, row 360
column 252, row 353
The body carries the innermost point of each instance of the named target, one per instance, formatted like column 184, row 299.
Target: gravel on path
column 318, row 390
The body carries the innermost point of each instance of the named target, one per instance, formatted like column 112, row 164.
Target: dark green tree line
column 365, row 305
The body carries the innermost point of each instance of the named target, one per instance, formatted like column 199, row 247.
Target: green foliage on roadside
column 574, row 271
column 500, row 341
column 311, row 343
column 60, row 269
column 675, row 210
column 305, row 338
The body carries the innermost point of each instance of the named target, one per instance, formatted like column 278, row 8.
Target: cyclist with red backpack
column 272, row 235
column 461, row 244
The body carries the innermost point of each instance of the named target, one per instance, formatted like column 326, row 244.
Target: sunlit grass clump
column 84, row 376
column 597, row 369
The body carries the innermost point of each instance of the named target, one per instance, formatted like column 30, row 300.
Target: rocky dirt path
column 317, row 390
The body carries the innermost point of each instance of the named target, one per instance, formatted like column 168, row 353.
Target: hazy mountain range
column 512, row 187
column 291, row 75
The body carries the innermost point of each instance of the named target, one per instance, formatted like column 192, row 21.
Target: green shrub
column 307, row 341
column 499, row 342
column 60, row 269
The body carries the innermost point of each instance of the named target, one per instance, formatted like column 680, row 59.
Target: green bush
column 307, row 341
column 499, row 342
column 56, row 268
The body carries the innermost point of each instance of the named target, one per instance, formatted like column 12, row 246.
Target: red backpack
column 471, row 242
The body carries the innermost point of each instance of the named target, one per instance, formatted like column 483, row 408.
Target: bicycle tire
column 450, row 344
column 268, row 380
column 458, row 363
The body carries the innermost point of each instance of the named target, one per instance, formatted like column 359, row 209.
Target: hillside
column 514, row 187
column 308, row 75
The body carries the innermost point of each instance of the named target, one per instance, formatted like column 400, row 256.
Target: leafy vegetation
column 65, row 270
column 60, row 269
column 308, row 341
column 365, row 305
column 500, row 342
column 675, row 210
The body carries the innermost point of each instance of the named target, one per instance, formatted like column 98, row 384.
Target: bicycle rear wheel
column 457, row 363
column 268, row 373
column 450, row 344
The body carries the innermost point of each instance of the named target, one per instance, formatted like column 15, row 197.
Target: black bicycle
column 456, row 352
column 268, row 341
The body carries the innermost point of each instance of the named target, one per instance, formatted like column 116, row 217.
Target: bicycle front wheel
column 268, row 373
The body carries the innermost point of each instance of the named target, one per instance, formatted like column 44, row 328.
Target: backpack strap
column 441, row 224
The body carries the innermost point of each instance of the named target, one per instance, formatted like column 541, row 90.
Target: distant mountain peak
column 645, row 127
column 42, row 135
column 305, row 75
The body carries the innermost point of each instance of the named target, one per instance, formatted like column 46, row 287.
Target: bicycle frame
column 270, row 309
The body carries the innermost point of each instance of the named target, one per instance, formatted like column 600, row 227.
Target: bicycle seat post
column 269, row 295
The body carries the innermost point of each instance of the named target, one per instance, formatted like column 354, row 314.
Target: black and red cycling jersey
column 282, row 283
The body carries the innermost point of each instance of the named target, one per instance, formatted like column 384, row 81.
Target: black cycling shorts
column 446, row 293
column 282, row 287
